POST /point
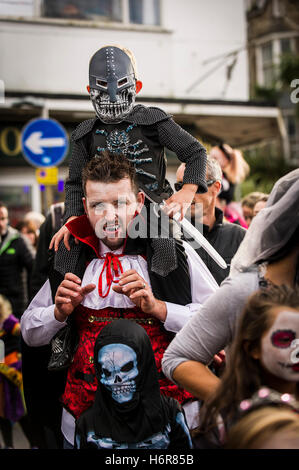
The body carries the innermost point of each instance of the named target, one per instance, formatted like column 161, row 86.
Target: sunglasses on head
column 178, row 186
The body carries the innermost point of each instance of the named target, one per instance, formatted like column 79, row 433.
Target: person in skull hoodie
column 159, row 286
column 129, row 412
column 140, row 133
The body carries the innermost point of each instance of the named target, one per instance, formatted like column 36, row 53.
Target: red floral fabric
column 80, row 389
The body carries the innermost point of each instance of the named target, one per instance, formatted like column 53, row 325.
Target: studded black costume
column 139, row 132
column 142, row 137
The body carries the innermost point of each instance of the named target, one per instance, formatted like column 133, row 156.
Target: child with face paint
column 265, row 352
column 128, row 411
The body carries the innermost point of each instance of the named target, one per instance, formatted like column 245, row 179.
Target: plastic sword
column 187, row 228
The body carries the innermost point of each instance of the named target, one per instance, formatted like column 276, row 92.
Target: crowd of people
column 118, row 339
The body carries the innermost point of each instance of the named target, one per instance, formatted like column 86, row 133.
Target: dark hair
column 30, row 229
column 285, row 250
column 109, row 167
column 2, row 204
column 244, row 375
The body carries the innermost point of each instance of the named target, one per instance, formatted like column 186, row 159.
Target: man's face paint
column 112, row 84
column 280, row 346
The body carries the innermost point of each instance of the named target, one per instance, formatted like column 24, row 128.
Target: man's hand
column 134, row 286
column 180, row 201
column 64, row 234
column 69, row 294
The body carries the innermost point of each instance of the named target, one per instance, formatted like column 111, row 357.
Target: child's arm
column 190, row 151
column 180, row 201
column 64, row 234
column 73, row 185
column 73, row 188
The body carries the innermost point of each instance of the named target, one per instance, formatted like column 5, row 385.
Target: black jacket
column 225, row 238
column 44, row 256
column 15, row 256
column 142, row 136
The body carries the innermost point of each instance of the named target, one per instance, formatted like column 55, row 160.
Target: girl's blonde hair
column 5, row 308
column 255, row 429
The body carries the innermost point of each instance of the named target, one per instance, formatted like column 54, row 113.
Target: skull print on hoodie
column 128, row 411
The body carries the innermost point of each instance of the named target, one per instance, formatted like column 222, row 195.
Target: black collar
column 217, row 223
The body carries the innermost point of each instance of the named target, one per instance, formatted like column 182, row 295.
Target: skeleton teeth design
column 112, row 228
column 120, row 389
column 118, row 370
column 110, row 112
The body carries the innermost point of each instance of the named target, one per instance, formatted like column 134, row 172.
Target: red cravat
column 113, row 267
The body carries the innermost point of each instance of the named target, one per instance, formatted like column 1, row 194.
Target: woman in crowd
column 268, row 255
column 29, row 231
column 260, row 204
column 235, row 170
column 248, row 203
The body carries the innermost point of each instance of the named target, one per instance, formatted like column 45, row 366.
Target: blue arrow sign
column 44, row 142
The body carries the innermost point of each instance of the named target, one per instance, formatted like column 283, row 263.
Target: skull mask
column 118, row 363
column 112, row 84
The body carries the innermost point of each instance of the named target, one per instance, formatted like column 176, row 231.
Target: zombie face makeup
column 112, row 84
column 280, row 346
column 119, row 370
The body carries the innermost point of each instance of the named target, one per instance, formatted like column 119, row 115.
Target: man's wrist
column 59, row 316
column 160, row 310
column 190, row 187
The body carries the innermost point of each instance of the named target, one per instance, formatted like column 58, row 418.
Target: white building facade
column 191, row 56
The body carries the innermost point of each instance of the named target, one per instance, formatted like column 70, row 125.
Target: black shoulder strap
column 147, row 115
column 83, row 128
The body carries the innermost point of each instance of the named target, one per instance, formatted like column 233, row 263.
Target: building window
column 143, row 12
column 267, row 64
column 269, row 57
column 94, row 10
column 278, row 8
column 285, row 46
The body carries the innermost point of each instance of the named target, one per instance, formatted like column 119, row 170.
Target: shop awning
column 239, row 123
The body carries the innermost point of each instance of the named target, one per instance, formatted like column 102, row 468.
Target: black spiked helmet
column 112, row 84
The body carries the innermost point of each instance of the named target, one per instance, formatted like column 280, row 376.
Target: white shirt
column 39, row 325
